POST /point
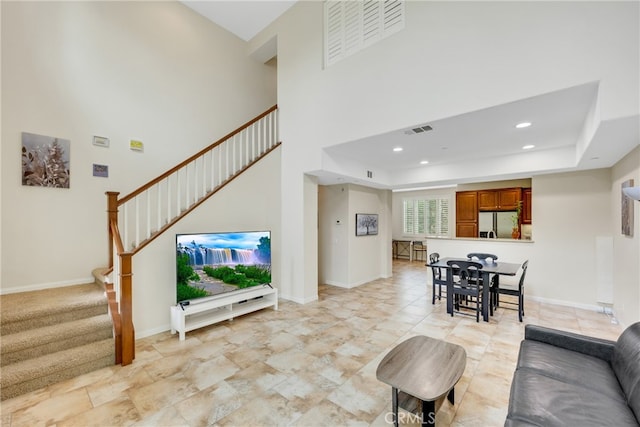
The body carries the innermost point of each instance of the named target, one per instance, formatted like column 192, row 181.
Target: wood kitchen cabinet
column 487, row 200
column 467, row 214
column 504, row 199
column 508, row 198
column 526, row 206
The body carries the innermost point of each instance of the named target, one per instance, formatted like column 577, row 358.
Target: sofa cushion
column 570, row 367
column 545, row 401
column 626, row 364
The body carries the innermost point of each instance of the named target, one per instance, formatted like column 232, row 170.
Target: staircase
column 53, row 335
column 56, row 334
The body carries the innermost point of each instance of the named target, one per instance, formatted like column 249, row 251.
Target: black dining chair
column 466, row 284
column 439, row 277
column 486, row 257
column 498, row 289
column 482, row 256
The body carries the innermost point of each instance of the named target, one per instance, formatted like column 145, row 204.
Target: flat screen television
column 210, row 264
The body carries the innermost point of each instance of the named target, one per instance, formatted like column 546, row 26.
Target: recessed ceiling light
column 424, row 162
column 528, row 147
column 397, row 149
column 523, row 125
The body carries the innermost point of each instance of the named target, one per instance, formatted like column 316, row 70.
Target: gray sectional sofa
column 565, row 379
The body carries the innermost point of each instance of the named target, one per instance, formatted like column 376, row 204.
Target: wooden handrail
column 195, row 156
column 117, row 240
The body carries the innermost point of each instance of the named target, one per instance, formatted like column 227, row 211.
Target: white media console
column 201, row 313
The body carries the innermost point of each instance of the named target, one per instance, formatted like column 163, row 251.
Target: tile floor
column 303, row 365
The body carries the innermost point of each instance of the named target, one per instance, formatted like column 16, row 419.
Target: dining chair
column 517, row 290
column 483, row 256
column 419, row 248
column 466, row 284
column 439, row 277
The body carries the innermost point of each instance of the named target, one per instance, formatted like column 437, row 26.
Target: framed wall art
column 366, row 224
column 45, row 161
column 626, row 210
column 101, row 171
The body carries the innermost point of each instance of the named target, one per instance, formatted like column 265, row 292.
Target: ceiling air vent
column 420, row 129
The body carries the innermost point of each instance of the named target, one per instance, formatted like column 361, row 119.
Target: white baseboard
column 338, row 284
column 50, row 285
column 592, row 307
column 154, row 331
column 352, row 285
column 299, row 300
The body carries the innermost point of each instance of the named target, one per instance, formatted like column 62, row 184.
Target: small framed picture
column 136, row 145
column 101, row 141
column 101, row 171
column 366, row 224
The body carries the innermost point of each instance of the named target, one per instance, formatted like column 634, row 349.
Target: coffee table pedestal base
column 426, row 410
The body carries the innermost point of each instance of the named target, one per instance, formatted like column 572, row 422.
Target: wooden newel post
column 112, row 215
column 126, row 309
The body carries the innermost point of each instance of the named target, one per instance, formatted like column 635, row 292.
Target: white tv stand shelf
column 201, row 313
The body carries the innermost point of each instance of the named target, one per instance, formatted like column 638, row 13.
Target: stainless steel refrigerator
column 500, row 223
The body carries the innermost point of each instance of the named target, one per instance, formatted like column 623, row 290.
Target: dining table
column 489, row 267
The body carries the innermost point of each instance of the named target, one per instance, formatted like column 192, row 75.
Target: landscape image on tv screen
column 209, row 264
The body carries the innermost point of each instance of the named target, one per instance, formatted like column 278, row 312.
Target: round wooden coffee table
column 422, row 368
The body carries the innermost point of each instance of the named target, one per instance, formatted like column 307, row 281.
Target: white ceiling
column 244, row 18
column 557, row 118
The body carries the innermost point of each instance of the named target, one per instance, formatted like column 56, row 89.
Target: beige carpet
column 52, row 335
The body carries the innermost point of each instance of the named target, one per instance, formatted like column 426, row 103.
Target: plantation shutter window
column 352, row 25
column 426, row 217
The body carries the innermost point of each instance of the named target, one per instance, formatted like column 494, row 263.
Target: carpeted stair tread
column 28, row 310
column 52, row 335
column 50, row 339
column 55, row 367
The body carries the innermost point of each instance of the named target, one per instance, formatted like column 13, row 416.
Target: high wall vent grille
column 422, row 129
column 352, row 25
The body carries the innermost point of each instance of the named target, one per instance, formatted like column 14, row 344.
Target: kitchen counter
column 508, row 250
column 480, row 239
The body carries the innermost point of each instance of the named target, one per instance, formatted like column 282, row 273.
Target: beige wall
column 155, row 71
column 570, row 211
column 333, row 234
column 626, row 253
column 369, row 256
column 345, row 259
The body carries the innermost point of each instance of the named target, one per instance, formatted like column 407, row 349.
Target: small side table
column 423, row 368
